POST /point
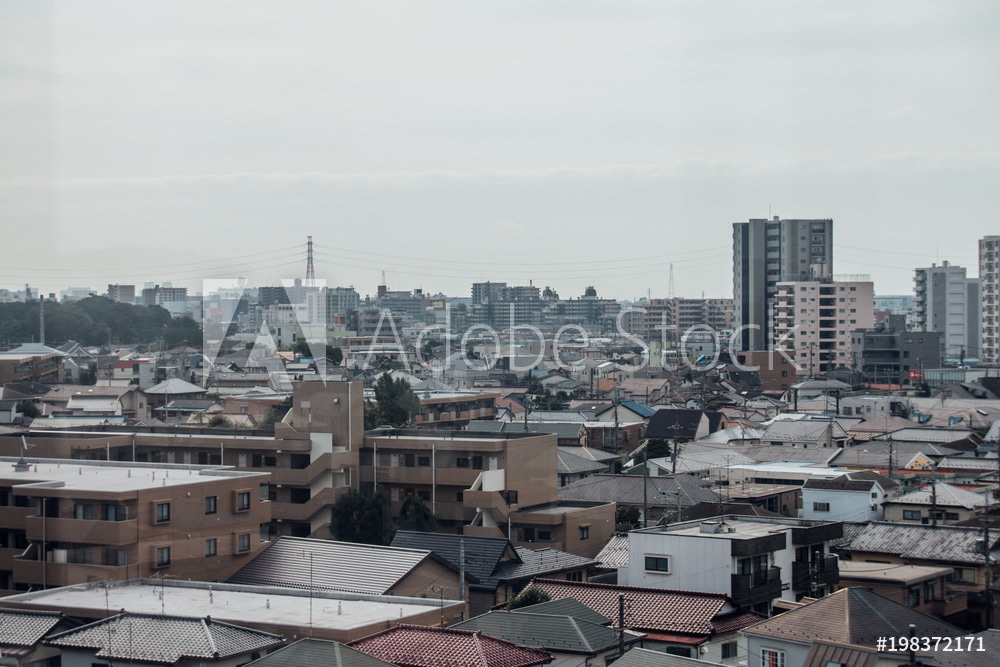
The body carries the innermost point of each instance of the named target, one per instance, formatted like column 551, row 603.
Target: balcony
column 757, row 587
column 82, row 531
column 824, row 572
column 66, row 574
column 954, row 602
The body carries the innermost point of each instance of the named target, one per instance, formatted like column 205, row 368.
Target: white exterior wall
column 844, row 505
column 795, row 653
column 696, row 564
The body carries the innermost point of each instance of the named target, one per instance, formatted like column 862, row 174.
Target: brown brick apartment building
column 69, row 522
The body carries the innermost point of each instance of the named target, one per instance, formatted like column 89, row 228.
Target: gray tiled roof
column 615, row 552
column 852, row 616
column 563, row 634
column 566, row 607
column 946, row 496
column 164, row 639
column 860, row 480
column 540, row 562
column 301, row 562
column 571, row 464
column 802, row 430
column 482, row 554
column 19, row 627
column 627, row 489
column 940, row 544
column 644, row 657
column 319, row 652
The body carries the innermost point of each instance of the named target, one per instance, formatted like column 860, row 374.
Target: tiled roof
column 638, row 408
column 947, row 496
column 649, row 609
column 644, row 657
column 861, row 480
column 319, row 652
column 571, row 464
column 482, row 554
column 939, row 544
column 682, row 423
column 19, row 627
column 538, row 562
column 566, row 607
column 562, row 634
column 852, row 616
column 164, row 639
column 590, row 453
column 301, row 562
column 802, row 430
column 418, row 646
column 615, row 552
column 938, row 435
column 176, row 387
column 627, row 489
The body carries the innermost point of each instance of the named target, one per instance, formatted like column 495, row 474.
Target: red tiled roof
column 652, row 609
column 736, row 620
column 510, row 404
column 418, row 646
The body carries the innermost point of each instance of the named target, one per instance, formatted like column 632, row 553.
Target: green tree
column 334, row 355
column 416, row 515
column 182, row 331
column 397, row 403
column 657, row 448
column 276, row 413
column 302, row 347
column 529, row 596
column 626, row 518
column 28, row 408
column 220, row 421
column 373, row 418
column 361, row 517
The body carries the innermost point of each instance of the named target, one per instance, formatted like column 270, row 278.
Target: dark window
column 544, row 535
column 584, row 532
column 658, row 564
column 729, row 650
column 424, row 461
column 162, row 556
column 477, row 462
column 242, row 501
column 574, row 576
column 408, row 460
column 821, row 507
column 211, row 504
column 682, row 651
column 913, row 596
column 243, row 543
column 162, row 513
column 462, row 463
column 211, row 547
column 83, row 511
column 911, row 515
column 424, row 494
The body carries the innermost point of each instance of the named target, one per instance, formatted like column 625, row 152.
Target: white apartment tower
column 945, row 300
column 989, row 276
column 813, row 321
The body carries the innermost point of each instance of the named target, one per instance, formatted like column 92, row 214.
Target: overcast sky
column 569, row 143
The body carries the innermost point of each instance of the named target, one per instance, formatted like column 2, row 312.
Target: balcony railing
column 824, row 572
column 756, row 587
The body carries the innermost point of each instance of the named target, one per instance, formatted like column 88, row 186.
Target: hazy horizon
column 565, row 143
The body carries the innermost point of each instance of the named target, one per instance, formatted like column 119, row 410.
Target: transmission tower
column 310, row 271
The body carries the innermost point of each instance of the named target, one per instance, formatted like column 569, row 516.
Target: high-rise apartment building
column 813, row 321
column 989, row 276
column 766, row 252
column 945, row 300
column 122, row 293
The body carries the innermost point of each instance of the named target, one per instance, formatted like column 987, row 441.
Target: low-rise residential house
column 135, row 371
column 853, row 496
column 300, row 562
column 22, row 635
column 417, row 646
column 782, row 499
column 318, row 652
column 154, row 639
column 774, row 472
column 663, row 495
column 573, row 468
column 683, row 623
column 923, row 587
column 497, row 570
column 842, row 628
column 752, row 560
column 805, row 433
column 937, row 502
column 134, row 404
column 957, row 547
column 572, row 641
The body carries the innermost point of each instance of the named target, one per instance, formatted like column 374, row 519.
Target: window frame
column 157, row 519
column 212, row 542
column 214, row 505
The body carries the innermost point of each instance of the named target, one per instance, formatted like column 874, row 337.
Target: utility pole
column 934, row 511
column 645, row 485
column 988, row 591
column 621, row 624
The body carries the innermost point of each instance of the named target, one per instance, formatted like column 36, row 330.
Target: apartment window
column 424, row 461
column 770, row 657
column 83, row 512
column 211, row 547
column 729, row 650
column 544, row 535
column 821, row 507
column 911, row 515
column 211, row 504
column 243, row 543
column 462, row 463
column 162, row 512
column 115, row 557
column 162, row 556
column 965, row 575
column 409, row 460
column 242, row 501
column 115, row 513
column 477, row 462
column 423, row 494
column 913, row 596
column 584, row 532
column 659, row 564
column 951, row 516
column 528, row 534
column 574, row 576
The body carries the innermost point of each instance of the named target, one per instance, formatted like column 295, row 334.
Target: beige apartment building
column 813, row 321
column 486, row 484
column 70, row 522
column 312, row 456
